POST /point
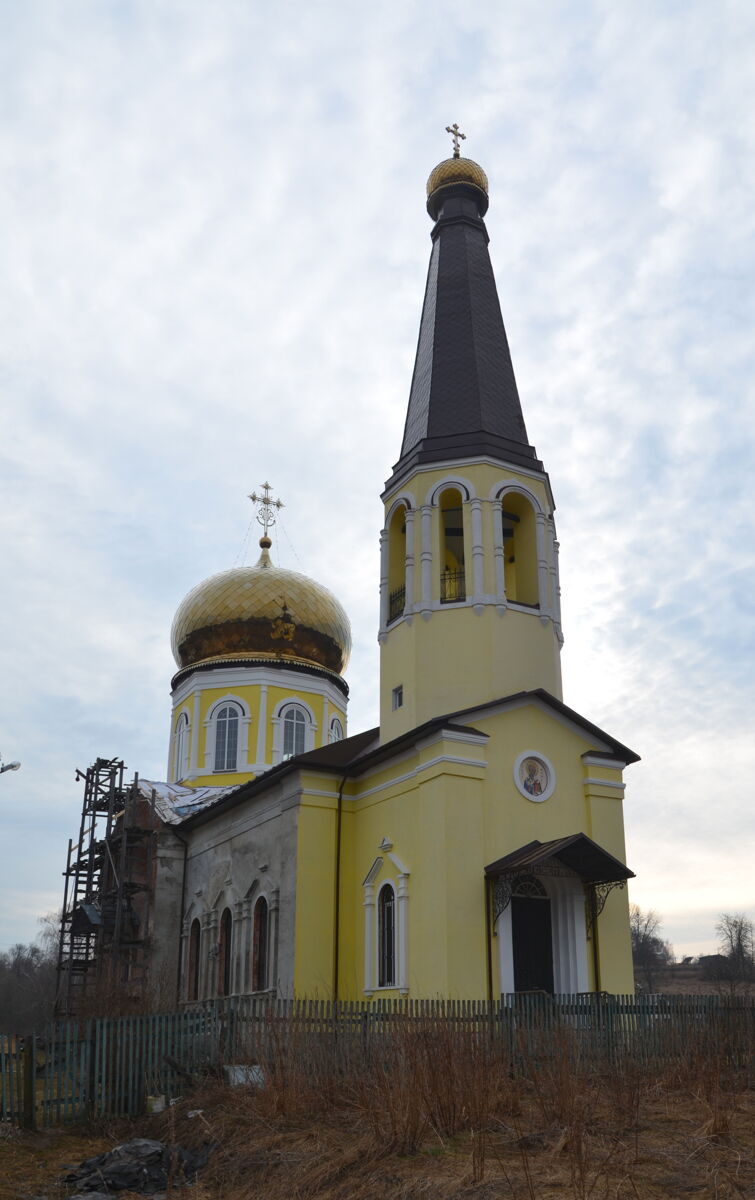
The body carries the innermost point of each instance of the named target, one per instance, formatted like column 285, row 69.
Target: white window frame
column 310, row 728
column 372, row 887
column 181, row 746
column 336, row 723
column 211, row 727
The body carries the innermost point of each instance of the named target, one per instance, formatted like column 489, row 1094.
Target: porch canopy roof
column 578, row 852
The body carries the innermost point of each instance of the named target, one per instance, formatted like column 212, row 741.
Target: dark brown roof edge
column 577, row 851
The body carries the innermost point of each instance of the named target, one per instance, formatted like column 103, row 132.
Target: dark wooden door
column 533, row 944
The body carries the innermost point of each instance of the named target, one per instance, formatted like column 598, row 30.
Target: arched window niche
column 192, row 988
column 260, row 943
column 397, row 564
column 335, row 733
column 453, row 587
column 181, row 748
column 519, row 537
column 224, row 953
column 227, row 722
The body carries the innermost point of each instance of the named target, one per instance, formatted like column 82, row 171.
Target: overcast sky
column 213, row 247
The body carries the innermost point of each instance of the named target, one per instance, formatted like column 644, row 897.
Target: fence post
column 29, row 1077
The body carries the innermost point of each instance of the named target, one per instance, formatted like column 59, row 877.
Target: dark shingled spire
column 464, row 400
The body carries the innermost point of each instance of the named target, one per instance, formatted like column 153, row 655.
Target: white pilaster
column 369, row 938
column 409, row 576
column 426, row 560
column 262, row 731
column 478, row 552
column 384, row 597
column 403, row 933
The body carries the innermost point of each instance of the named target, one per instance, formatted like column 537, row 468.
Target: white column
column 556, row 586
column 325, row 723
column 262, row 731
column 542, row 565
column 384, row 551
column 426, row 560
column 194, row 763
column 498, row 560
column 409, row 574
column 478, row 553
column 403, row 933
column 369, row 938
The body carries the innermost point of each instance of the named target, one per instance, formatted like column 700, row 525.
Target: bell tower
column 469, row 591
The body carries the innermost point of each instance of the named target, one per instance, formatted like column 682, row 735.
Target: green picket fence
column 108, row 1066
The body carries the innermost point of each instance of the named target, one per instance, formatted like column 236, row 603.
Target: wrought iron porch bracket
column 596, row 895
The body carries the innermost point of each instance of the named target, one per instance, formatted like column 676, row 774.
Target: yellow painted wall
column 450, row 657
column 446, row 821
column 249, row 694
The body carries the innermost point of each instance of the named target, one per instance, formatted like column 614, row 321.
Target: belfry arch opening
column 519, row 535
column 453, row 577
column 397, row 563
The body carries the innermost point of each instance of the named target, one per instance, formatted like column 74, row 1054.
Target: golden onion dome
column 261, row 612
column 456, row 170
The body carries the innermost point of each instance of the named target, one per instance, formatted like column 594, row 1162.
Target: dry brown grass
column 434, row 1111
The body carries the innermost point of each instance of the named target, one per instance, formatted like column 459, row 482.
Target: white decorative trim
column 373, row 872
column 255, row 676
column 451, row 735
column 457, row 482
column 433, row 762
column 504, row 487
column 611, row 764
column 405, row 498
column 568, row 933
column 539, row 757
column 607, row 783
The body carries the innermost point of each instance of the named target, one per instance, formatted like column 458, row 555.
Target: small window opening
column 386, row 937
column 181, row 748
column 259, row 946
column 336, row 730
column 224, row 953
column 397, row 697
column 194, row 936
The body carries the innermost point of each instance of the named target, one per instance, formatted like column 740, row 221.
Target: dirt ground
column 671, row 1145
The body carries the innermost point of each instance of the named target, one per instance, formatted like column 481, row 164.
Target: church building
column 473, row 843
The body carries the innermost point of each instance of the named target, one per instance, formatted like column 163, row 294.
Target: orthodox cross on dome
column 266, row 506
column 456, row 134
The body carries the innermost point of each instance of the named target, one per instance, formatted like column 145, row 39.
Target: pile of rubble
column 141, row 1165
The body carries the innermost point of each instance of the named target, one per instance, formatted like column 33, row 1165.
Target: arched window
column 259, row 945
column 224, row 953
column 336, row 730
column 226, row 737
column 294, row 730
column 386, row 936
column 193, row 972
column 181, row 755
column 452, row 579
column 397, row 564
column 519, row 532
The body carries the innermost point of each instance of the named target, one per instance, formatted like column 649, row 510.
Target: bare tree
column 649, row 951
column 735, row 962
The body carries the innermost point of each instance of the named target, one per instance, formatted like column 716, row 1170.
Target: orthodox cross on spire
column 265, row 506
column 456, row 134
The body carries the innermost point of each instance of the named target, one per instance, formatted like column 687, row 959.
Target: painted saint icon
column 534, row 777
